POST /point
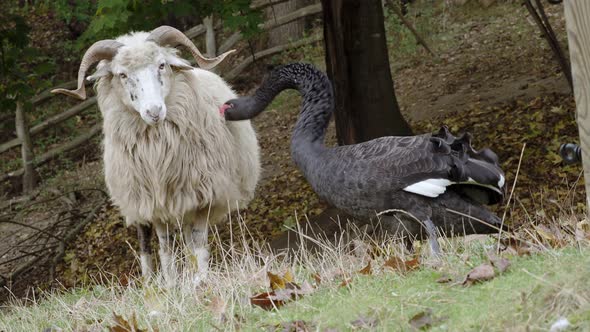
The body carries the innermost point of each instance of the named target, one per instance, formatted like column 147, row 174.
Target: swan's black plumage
column 388, row 172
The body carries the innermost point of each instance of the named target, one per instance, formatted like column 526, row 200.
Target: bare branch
column 410, row 27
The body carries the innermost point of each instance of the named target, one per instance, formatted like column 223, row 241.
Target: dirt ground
column 493, row 75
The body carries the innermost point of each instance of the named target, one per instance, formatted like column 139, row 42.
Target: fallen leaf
column 294, row 326
column 317, row 278
column 500, row 263
column 444, row 278
column 122, row 325
column 398, row 264
column 345, row 282
column 265, row 301
column 481, row 273
column 422, row 320
column 412, row 264
column 364, row 323
column 366, row 270
column 279, row 297
column 545, row 233
column 278, row 282
column 517, row 247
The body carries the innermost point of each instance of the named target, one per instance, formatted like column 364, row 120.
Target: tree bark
column 22, row 131
column 357, row 62
column 288, row 32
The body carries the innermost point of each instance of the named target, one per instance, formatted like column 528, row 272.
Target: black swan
column 437, row 179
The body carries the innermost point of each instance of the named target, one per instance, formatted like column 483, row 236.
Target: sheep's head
column 141, row 74
column 141, row 77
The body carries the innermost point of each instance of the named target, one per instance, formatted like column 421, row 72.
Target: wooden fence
column 25, row 134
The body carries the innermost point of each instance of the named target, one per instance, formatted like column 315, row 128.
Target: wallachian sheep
column 169, row 158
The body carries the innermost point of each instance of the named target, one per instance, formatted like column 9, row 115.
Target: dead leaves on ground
column 365, row 322
column 294, row 326
column 284, row 289
column 425, row 320
column 123, row 325
column 481, row 273
column 366, row 270
column 500, row 263
column 546, row 188
column 485, row 271
column 399, row 265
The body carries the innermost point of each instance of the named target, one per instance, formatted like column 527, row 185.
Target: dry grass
column 548, row 279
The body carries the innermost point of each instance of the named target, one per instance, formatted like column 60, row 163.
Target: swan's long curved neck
column 317, row 106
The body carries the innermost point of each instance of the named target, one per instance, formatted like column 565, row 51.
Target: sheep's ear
column 178, row 63
column 103, row 69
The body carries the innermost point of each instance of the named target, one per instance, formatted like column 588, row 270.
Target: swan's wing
column 428, row 165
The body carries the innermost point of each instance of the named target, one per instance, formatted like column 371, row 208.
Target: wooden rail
column 577, row 17
column 58, row 118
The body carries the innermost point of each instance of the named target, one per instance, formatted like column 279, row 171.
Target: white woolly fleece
column 192, row 161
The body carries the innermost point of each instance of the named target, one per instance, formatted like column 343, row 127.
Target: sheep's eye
column 162, row 66
column 123, row 76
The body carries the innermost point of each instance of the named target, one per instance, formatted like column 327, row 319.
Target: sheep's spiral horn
column 167, row 35
column 101, row 50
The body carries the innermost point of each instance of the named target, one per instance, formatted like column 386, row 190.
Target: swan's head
column 243, row 108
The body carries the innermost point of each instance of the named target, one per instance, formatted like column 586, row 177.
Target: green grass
column 532, row 294
column 519, row 298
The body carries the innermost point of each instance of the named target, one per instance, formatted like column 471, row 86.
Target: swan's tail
column 476, row 174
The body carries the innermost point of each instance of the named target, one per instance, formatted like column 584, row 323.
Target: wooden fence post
column 210, row 44
column 577, row 17
column 22, row 132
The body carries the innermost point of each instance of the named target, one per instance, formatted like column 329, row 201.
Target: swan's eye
column 123, row 76
column 162, row 66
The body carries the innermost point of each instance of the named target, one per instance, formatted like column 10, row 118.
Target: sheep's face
column 142, row 76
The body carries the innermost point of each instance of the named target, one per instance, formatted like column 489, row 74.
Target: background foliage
column 23, row 69
column 26, row 69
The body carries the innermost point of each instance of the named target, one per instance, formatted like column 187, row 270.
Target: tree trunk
column 357, row 62
column 288, row 32
column 22, row 132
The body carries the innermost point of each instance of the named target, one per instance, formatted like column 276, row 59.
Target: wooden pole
column 577, row 17
column 22, row 132
column 210, row 36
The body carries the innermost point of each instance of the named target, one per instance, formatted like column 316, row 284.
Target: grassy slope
column 533, row 293
column 519, row 298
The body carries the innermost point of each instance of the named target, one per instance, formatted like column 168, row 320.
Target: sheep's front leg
column 166, row 252
column 144, row 235
column 195, row 237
